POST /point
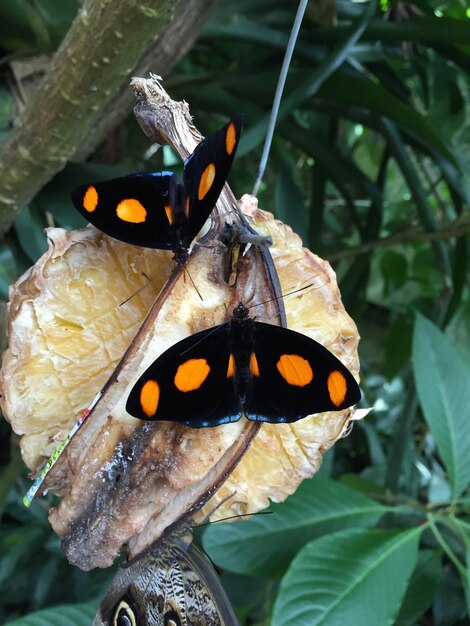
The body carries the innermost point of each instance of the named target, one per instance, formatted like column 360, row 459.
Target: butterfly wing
column 296, row 376
column 206, row 170
column 170, row 584
column 188, row 383
column 134, row 208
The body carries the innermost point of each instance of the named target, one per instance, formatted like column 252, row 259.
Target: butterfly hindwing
column 296, row 376
column 171, row 584
column 188, row 383
column 134, row 208
column 206, row 170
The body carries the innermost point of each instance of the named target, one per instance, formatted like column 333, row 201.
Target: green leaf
column 342, row 171
column 449, row 606
column 288, row 201
column 38, row 26
column 66, row 615
column 15, row 29
column 11, row 266
column 442, row 383
column 16, row 546
column 467, row 584
column 6, row 108
column 308, row 87
column 422, row 587
column 265, row 545
column 398, row 344
column 58, row 15
column 351, row 577
column 394, row 268
column 29, row 227
column 354, row 91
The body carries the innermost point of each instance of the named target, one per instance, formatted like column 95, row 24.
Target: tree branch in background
column 171, row 44
column 106, row 44
column 458, row 228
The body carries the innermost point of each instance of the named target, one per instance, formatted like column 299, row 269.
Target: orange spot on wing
column 254, row 369
column 90, row 199
column 186, row 207
column 206, row 181
column 131, row 210
column 191, row 374
column 295, row 370
column 337, row 387
column 231, row 367
column 230, row 138
column 169, row 213
column 149, row 397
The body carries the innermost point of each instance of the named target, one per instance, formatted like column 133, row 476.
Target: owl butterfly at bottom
column 172, row 584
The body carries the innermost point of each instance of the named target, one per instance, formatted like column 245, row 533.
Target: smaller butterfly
column 268, row 373
column 154, row 210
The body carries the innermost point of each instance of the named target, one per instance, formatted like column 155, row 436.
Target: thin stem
column 279, row 91
column 441, row 541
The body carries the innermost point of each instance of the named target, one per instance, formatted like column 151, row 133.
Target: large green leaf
column 67, row 615
column 352, row 577
column 422, row 587
column 442, row 382
column 266, row 544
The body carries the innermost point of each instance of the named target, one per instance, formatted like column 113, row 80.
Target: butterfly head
column 240, row 312
column 181, row 256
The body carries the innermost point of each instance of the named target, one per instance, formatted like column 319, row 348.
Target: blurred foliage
column 370, row 166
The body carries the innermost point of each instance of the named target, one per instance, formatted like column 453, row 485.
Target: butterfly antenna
column 239, row 516
column 284, row 295
column 278, row 95
column 138, row 290
column 194, row 285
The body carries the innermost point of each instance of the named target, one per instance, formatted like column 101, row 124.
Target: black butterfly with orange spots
column 268, row 373
column 154, row 210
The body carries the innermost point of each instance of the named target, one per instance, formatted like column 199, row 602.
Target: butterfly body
column 171, row 585
column 268, row 373
column 154, row 210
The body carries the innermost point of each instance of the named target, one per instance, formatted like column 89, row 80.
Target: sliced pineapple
column 123, row 480
column 67, row 331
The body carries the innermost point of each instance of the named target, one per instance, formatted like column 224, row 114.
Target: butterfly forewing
column 189, row 383
column 135, row 208
column 152, row 209
column 295, row 377
column 206, row 170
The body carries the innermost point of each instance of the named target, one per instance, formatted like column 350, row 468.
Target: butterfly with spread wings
column 243, row 367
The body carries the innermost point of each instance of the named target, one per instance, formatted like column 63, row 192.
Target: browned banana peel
column 124, row 481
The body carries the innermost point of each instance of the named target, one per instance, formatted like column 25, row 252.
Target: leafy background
column 370, row 166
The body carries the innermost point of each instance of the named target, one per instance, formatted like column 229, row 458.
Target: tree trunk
column 85, row 91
